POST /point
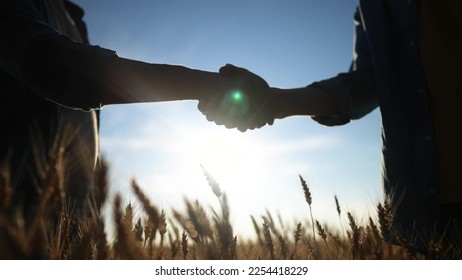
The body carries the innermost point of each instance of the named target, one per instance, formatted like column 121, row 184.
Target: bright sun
column 234, row 159
column 224, row 156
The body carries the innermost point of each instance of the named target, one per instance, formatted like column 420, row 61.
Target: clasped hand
column 246, row 104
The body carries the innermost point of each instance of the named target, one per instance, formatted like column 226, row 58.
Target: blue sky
column 290, row 44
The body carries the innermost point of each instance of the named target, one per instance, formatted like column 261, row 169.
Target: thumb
column 229, row 69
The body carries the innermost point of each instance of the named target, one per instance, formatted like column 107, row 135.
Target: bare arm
column 131, row 81
column 307, row 101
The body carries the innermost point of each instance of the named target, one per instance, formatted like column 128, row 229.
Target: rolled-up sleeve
column 355, row 90
column 50, row 64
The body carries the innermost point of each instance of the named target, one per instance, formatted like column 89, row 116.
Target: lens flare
column 237, row 96
column 238, row 103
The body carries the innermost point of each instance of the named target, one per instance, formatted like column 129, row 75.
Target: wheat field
column 55, row 231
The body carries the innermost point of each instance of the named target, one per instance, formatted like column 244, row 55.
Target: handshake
column 245, row 103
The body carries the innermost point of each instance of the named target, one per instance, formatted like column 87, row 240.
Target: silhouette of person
column 53, row 81
column 407, row 58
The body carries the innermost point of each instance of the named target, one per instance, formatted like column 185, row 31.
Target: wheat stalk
column 323, row 234
column 212, row 183
column 125, row 245
column 184, row 245
column 297, row 237
column 268, row 238
column 356, row 248
column 309, row 200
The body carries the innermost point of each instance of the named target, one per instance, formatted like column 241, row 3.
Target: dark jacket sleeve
column 355, row 90
column 49, row 63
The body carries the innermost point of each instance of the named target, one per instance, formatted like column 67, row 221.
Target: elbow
column 65, row 72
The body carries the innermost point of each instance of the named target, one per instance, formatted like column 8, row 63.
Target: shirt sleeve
column 49, row 63
column 355, row 90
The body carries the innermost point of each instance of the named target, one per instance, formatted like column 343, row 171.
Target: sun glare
column 224, row 157
column 230, row 157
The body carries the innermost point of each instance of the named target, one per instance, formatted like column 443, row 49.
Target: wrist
column 307, row 101
column 280, row 103
column 271, row 105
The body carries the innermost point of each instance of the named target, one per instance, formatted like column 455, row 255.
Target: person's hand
column 246, row 105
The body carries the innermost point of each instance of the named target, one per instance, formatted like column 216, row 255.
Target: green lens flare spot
column 238, row 103
column 237, row 96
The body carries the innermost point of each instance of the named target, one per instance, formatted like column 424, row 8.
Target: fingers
column 202, row 106
column 231, row 120
column 244, row 109
column 263, row 114
column 212, row 112
column 226, row 110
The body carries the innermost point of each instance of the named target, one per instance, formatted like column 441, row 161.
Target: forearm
column 88, row 77
column 336, row 100
column 307, row 101
column 130, row 81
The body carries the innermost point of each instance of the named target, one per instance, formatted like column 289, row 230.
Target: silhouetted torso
column 31, row 125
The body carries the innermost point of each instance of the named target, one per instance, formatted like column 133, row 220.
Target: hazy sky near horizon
column 290, row 44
